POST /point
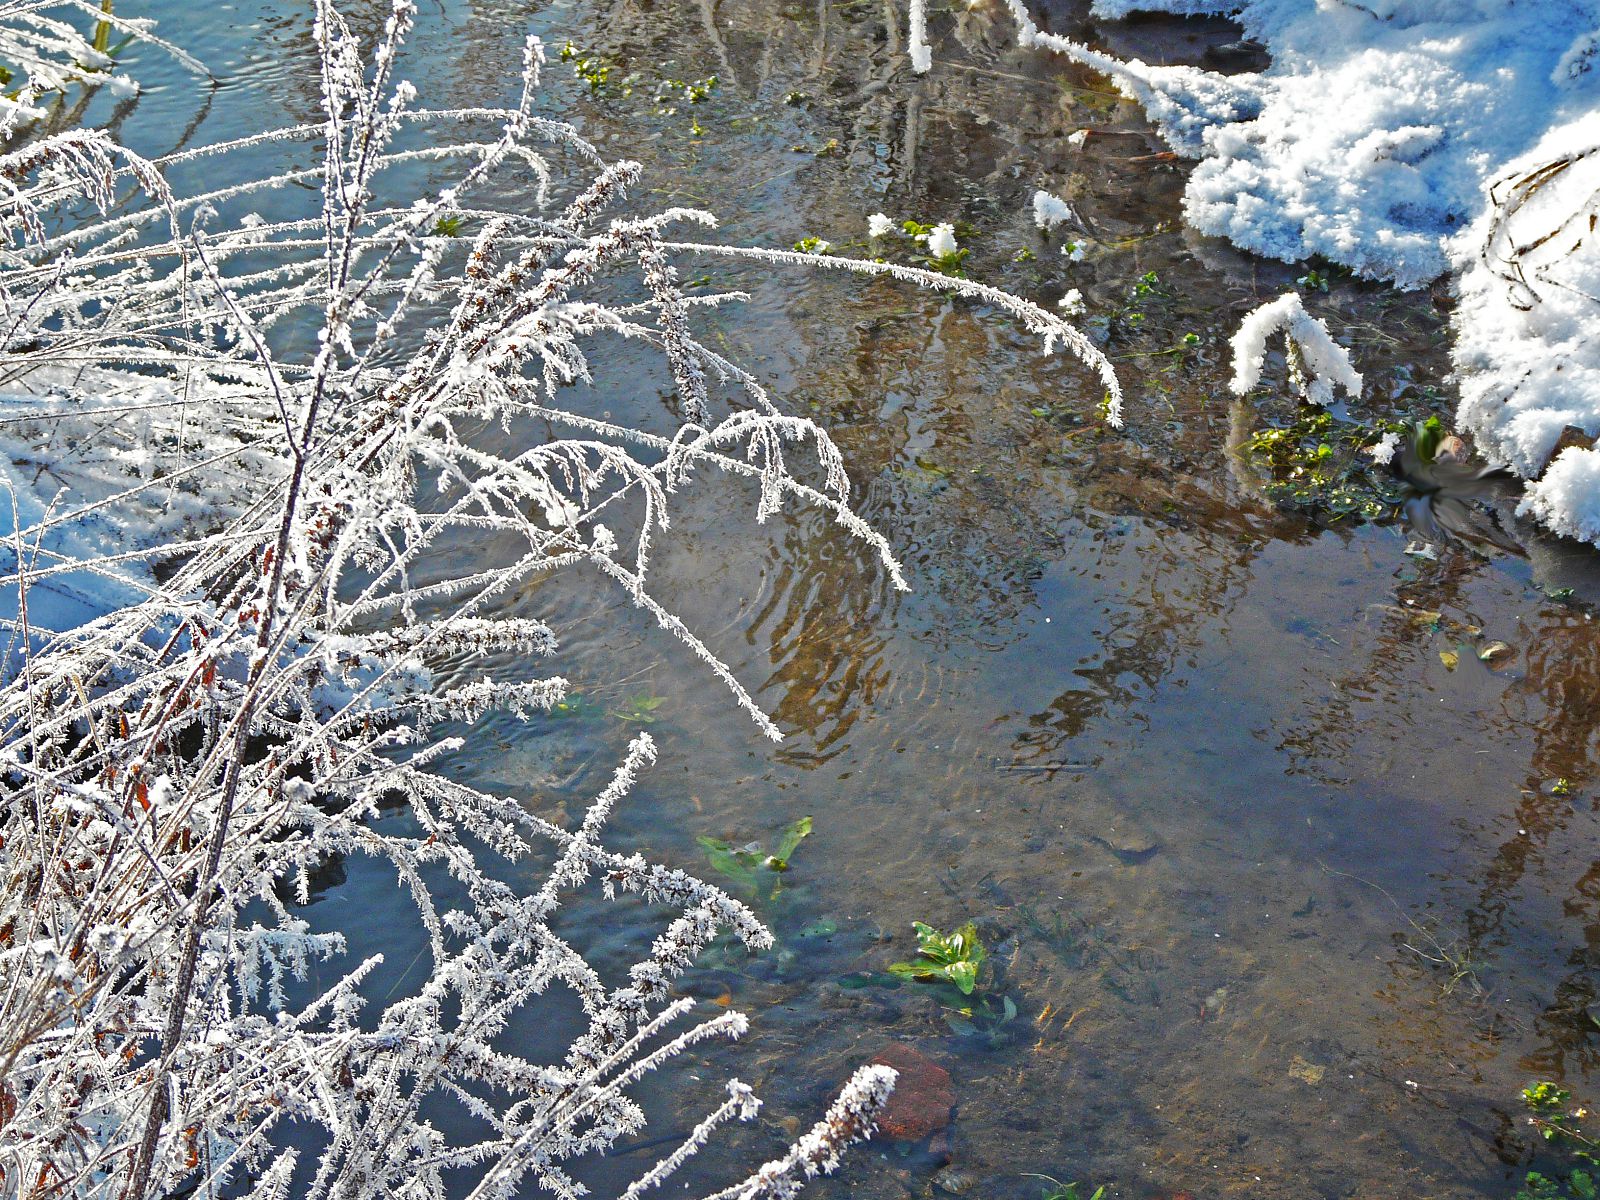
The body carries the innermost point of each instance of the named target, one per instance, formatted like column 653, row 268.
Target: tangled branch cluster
column 242, row 449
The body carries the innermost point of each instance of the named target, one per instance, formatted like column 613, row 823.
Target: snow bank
column 1526, row 351
column 1567, row 498
column 1380, row 124
column 1374, row 140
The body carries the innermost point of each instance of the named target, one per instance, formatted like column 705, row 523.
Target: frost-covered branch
column 53, row 45
column 269, row 475
column 1317, row 363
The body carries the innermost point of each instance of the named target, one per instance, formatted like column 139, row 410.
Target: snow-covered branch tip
column 54, row 45
column 1317, row 363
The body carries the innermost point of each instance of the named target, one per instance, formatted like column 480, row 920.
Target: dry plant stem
column 339, row 252
column 171, row 1036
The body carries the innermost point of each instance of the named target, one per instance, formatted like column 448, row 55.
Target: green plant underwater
column 640, row 709
column 750, row 868
column 1557, row 1123
column 1065, row 1191
column 1318, row 464
column 954, row 958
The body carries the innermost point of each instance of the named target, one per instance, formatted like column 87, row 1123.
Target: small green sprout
column 948, row 264
column 693, row 91
column 1321, row 465
column 448, row 226
column 812, row 245
column 1425, row 438
column 595, row 72
column 1551, row 1114
column 1065, row 1191
column 576, row 704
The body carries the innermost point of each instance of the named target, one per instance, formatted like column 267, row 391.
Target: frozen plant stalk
column 1317, row 363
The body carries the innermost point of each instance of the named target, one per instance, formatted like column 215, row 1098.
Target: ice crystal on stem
column 1318, row 363
column 44, row 50
column 1050, row 210
column 942, row 241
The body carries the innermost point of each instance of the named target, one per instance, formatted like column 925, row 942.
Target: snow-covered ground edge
column 1409, row 139
column 97, row 488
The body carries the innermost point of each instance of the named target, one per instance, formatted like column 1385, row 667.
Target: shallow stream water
column 1286, row 904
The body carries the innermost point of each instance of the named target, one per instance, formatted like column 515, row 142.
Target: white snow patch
column 1379, row 124
column 1373, row 140
column 1050, row 210
column 1567, row 497
column 921, row 53
column 1383, row 450
column 1526, row 352
column 84, row 492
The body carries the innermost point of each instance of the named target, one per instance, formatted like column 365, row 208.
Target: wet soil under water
column 1286, row 906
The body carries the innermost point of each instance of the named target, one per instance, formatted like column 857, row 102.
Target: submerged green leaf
column 737, row 865
column 640, row 709
column 778, row 860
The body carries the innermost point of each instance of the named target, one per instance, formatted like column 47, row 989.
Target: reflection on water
column 1207, row 776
